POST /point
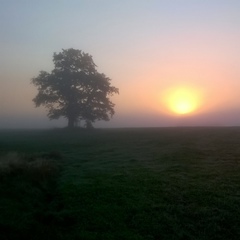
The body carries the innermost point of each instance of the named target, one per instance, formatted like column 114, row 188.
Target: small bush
column 35, row 168
column 11, row 163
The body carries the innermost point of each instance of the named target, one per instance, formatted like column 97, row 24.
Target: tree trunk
column 89, row 124
column 71, row 122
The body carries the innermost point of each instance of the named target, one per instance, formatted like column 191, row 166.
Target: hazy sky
column 153, row 50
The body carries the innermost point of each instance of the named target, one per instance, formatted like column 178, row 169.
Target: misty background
column 145, row 47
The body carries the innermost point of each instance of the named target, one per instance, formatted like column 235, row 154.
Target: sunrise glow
column 175, row 63
column 183, row 100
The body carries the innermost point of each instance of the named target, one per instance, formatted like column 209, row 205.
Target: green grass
column 152, row 183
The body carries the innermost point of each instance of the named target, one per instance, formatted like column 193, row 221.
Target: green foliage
column 74, row 89
column 166, row 183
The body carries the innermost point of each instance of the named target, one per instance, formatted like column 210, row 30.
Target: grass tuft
column 13, row 165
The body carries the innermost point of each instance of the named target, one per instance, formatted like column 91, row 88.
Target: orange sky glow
column 174, row 63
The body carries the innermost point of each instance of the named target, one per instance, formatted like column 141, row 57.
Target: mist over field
column 119, row 119
column 215, row 119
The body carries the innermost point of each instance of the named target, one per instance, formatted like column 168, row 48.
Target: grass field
column 152, row 183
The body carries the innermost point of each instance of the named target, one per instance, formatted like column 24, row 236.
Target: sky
column 175, row 62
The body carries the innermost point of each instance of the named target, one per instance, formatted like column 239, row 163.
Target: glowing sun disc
column 183, row 100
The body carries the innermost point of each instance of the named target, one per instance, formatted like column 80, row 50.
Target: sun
column 183, row 100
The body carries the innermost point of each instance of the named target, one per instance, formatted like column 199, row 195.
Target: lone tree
column 74, row 89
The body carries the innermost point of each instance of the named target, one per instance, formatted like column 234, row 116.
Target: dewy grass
column 27, row 185
column 166, row 183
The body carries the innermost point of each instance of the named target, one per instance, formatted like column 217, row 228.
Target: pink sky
column 145, row 47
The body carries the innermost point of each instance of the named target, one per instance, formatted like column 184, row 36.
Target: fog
column 227, row 118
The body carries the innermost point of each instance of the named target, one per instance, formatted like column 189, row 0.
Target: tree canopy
column 74, row 89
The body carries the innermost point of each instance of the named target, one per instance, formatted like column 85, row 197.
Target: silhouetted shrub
column 10, row 164
column 34, row 168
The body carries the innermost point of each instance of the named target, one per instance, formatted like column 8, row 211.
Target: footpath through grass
column 156, row 183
